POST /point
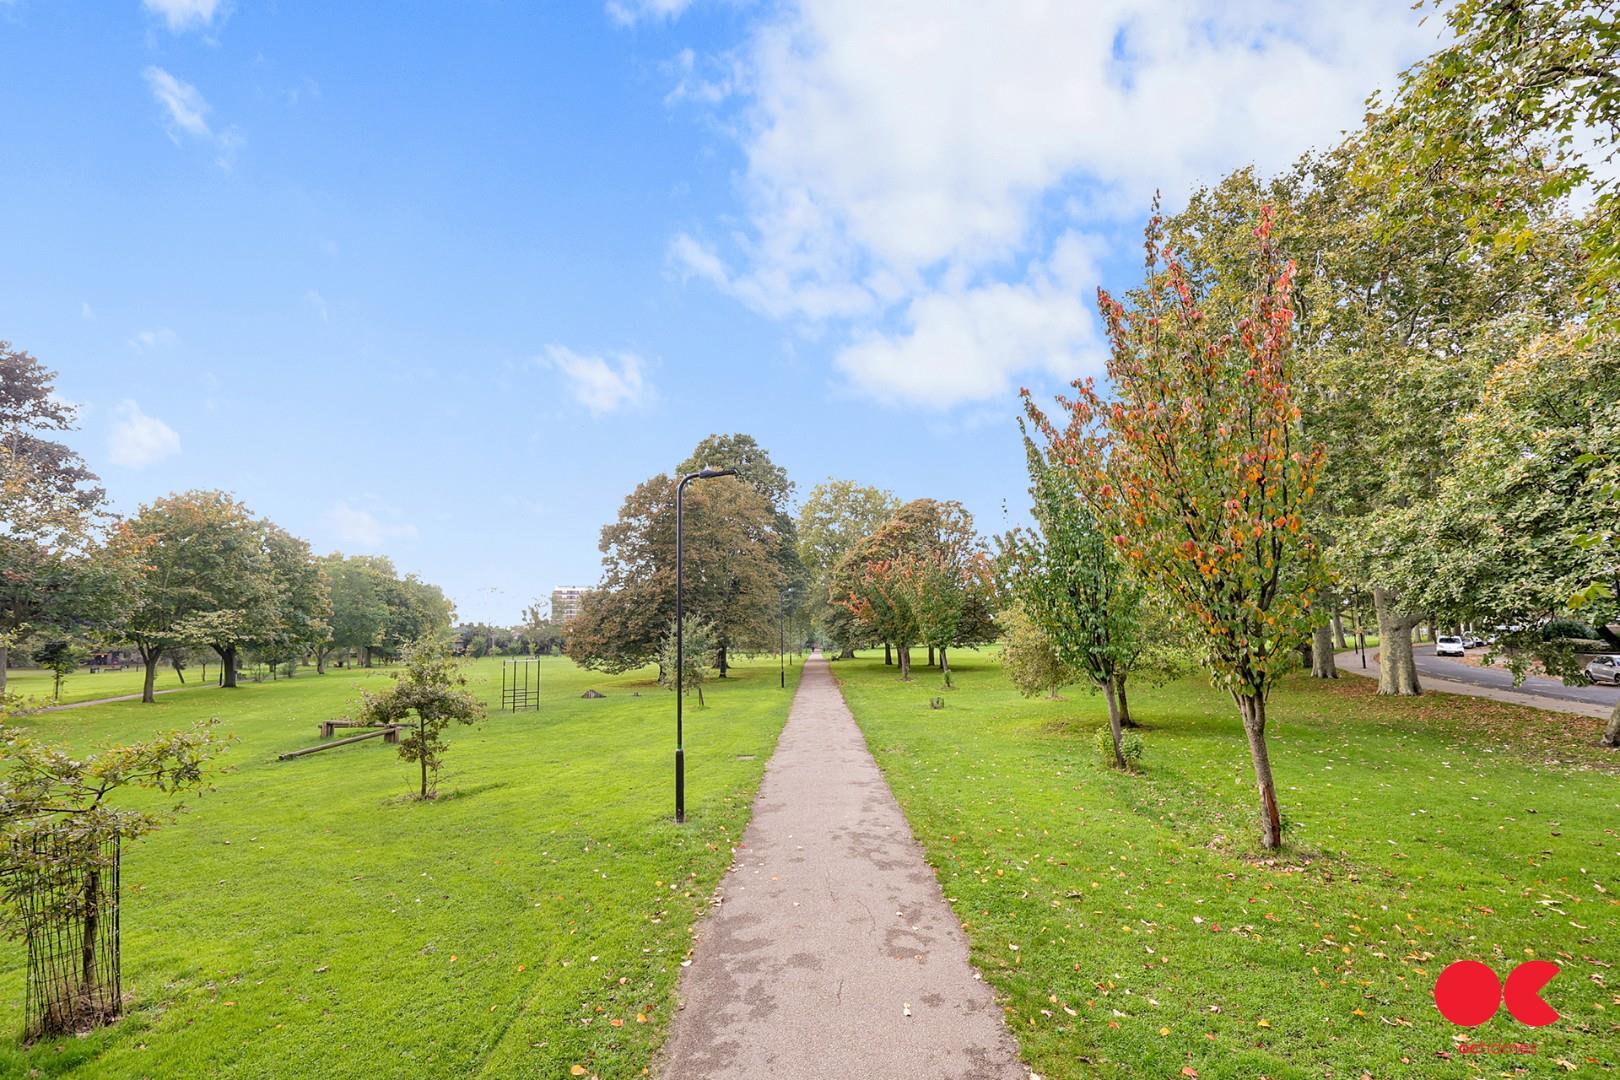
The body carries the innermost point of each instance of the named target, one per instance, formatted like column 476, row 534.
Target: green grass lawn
column 307, row 919
column 1132, row 928
column 35, row 685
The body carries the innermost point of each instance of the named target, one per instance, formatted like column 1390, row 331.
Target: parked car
column 1448, row 646
column 1604, row 669
column 1473, row 641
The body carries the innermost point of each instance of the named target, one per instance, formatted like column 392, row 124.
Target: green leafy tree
column 835, row 516
column 417, row 611
column 61, row 657
column 1071, row 581
column 49, row 501
column 756, row 469
column 433, row 690
column 1396, row 331
column 1517, row 503
column 61, row 827
column 542, row 634
column 301, row 617
column 733, row 575
column 697, row 651
column 1522, row 78
column 1028, row 657
column 360, row 613
column 882, row 580
column 1202, row 473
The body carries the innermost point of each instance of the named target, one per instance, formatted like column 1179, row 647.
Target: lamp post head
column 707, row 473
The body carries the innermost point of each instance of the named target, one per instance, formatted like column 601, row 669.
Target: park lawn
column 34, row 685
column 1131, row 927
column 308, row 919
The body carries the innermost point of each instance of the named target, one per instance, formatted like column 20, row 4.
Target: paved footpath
column 832, row 928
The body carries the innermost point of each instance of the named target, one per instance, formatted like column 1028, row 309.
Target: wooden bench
column 329, row 727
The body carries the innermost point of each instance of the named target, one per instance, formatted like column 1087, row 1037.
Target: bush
column 1554, row 629
column 1130, row 745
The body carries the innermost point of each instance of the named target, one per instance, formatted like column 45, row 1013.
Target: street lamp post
column 781, row 640
column 680, row 630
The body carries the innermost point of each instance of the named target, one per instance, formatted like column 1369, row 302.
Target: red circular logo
column 1468, row 993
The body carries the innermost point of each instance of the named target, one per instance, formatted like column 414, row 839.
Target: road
column 1535, row 690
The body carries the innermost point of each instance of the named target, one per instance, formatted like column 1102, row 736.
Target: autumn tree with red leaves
column 1200, row 470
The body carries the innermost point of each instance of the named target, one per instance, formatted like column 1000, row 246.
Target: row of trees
column 192, row 571
column 1389, row 374
column 1455, row 322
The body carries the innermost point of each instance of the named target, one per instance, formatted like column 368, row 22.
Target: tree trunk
column 148, row 689
column 1434, row 631
column 1397, row 672
column 945, row 667
column 1340, row 642
column 905, row 662
column 365, row 656
column 1611, row 734
column 1253, row 708
column 421, row 749
column 179, row 672
column 320, row 661
column 888, row 654
column 87, row 949
column 1126, row 720
column 847, row 653
column 930, row 656
column 227, row 659
column 5, row 654
column 1110, row 693
column 1322, row 663
column 720, row 661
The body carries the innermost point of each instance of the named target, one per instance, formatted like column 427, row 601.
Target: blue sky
column 444, row 282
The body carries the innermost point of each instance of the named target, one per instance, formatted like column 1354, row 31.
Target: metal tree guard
column 680, row 627
column 70, row 919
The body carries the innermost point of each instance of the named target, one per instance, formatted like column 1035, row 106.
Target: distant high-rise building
column 565, row 601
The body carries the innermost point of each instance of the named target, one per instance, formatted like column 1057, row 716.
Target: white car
column 1449, row 646
column 1604, row 669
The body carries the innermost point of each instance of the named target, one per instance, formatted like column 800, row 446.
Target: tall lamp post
column 781, row 638
column 680, row 630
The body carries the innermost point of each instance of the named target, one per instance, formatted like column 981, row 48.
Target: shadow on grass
column 411, row 798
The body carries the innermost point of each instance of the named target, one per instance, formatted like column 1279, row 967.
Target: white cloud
column 603, row 384
column 137, row 440
column 186, row 107
column 907, row 156
column 153, row 338
column 318, row 302
column 183, row 14
column 361, row 528
column 971, row 344
column 188, row 115
column 630, row 12
column 706, row 80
